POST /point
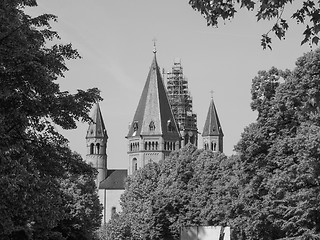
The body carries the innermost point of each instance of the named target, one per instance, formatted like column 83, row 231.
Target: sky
column 115, row 40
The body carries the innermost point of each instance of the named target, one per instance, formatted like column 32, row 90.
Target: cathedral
column 163, row 122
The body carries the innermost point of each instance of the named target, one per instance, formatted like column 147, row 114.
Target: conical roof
column 96, row 127
column 212, row 126
column 154, row 115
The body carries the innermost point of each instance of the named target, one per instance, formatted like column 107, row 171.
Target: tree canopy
column 47, row 191
column 269, row 190
column 280, row 153
column 306, row 13
column 179, row 191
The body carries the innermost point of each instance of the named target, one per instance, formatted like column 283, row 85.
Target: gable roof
column 115, row 180
column 96, row 128
column 212, row 126
column 154, row 108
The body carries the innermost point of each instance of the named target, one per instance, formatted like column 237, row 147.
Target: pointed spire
column 153, row 115
column 212, row 126
column 96, row 127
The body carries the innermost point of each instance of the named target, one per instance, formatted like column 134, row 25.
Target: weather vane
column 154, row 45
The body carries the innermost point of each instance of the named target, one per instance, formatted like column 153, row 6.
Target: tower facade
column 153, row 132
column 110, row 182
column 212, row 134
column 181, row 103
column 96, row 141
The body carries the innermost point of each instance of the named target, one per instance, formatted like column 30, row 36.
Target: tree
column 280, row 154
column 82, row 214
column 179, row 191
column 36, row 165
column 308, row 14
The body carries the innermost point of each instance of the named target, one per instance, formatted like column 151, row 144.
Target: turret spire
column 97, row 128
column 212, row 132
column 153, row 107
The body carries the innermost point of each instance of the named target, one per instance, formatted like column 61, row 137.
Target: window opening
column 113, row 212
column 135, row 126
column 134, row 165
column 91, row 148
column 152, row 127
column 98, row 148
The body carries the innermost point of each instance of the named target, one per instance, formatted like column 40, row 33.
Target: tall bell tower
column 153, row 132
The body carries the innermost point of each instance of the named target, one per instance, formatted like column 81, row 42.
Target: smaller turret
column 97, row 144
column 212, row 134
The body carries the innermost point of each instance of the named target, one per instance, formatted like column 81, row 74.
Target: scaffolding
column 181, row 101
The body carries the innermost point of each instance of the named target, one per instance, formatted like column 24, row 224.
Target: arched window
column 152, row 145
column 192, row 139
column 174, row 146
column 186, row 139
column 98, row 148
column 134, row 165
column 91, row 148
column 149, row 145
column 156, row 145
column 145, row 146
column 215, row 146
column 113, row 212
column 169, row 126
column 165, row 145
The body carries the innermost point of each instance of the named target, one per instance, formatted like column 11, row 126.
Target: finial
column 154, row 45
column 211, row 94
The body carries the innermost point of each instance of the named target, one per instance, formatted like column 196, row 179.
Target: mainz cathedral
column 163, row 122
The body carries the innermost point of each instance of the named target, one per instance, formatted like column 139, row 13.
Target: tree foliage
column 47, row 191
column 307, row 13
column 280, row 154
column 160, row 198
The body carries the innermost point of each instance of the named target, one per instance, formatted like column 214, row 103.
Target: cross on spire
column 211, row 94
column 154, row 45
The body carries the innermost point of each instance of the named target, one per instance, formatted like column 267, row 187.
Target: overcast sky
column 114, row 39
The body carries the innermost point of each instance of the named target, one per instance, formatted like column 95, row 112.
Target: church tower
column 212, row 134
column 153, row 132
column 181, row 104
column 97, row 144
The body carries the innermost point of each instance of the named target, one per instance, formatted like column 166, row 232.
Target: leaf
column 315, row 40
column 316, row 28
column 307, row 34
